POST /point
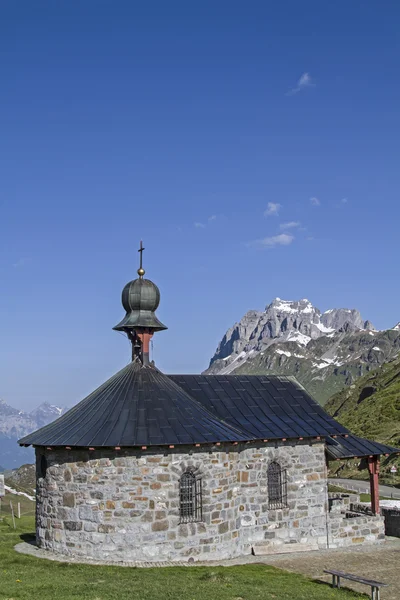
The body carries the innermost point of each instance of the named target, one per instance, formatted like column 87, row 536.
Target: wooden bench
column 375, row 585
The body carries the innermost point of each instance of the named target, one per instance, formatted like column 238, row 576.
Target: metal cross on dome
column 140, row 269
column 141, row 252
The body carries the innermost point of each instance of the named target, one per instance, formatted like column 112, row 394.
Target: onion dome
column 140, row 299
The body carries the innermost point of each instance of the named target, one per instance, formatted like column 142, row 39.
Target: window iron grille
column 190, row 500
column 277, row 486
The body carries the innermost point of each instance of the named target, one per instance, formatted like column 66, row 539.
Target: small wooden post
column 19, row 510
column 373, row 468
column 12, row 513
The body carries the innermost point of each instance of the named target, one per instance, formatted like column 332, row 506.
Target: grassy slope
column 27, row 506
column 376, row 416
column 28, row 578
column 22, row 480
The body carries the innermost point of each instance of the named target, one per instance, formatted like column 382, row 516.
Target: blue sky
column 204, row 129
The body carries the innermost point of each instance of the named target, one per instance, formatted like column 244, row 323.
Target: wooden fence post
column 12, row 513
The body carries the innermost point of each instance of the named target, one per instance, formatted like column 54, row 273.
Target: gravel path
column 381, row 562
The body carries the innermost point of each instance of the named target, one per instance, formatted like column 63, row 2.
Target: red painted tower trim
column 145, row 338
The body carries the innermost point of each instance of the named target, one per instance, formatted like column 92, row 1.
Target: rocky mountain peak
column 324, row 351
column 45, row 413
column 297, row 321
column 338, row 318
column 16, row 423
column 291, row 306
column 47, row 408
column 7, row 410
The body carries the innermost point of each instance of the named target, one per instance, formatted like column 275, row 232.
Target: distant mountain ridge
column 16, row 423
column 324, row 351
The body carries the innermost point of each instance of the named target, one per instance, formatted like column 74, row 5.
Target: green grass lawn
column 28, row 578
column 367, row 498
column 363, row 497
column 27, row 506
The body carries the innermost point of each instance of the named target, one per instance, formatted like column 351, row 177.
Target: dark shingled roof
column 270, row 406
column 140, row 406
column 352, row 445
column 263, row 406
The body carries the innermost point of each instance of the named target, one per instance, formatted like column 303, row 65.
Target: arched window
column 277, row 486
column 190, row 502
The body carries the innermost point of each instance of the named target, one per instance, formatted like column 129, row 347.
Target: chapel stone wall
column 124, row 505
column 345, row 530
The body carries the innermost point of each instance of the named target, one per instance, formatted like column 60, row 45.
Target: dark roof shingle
column 140, row 406
column 351, row 446
column 263, row 406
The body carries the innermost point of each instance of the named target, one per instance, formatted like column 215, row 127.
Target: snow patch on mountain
column 10, row 490
column 15, row 423
column 299, row 338
column 324, row 329
column 283, row 321
column 280, row 351
column 326, row 362
column 324, row 351
column 19, row 423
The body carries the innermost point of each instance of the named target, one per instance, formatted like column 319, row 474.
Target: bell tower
column 140, row 299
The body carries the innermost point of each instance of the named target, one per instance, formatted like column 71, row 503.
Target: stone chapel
column 155, row 467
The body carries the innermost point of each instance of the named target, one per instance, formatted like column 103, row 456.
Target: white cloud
column 314, row 201
column 200, row 225
column 290, row 225
column 283, row 239
column 344, row 201
column 304, row 82
column 272, row 209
